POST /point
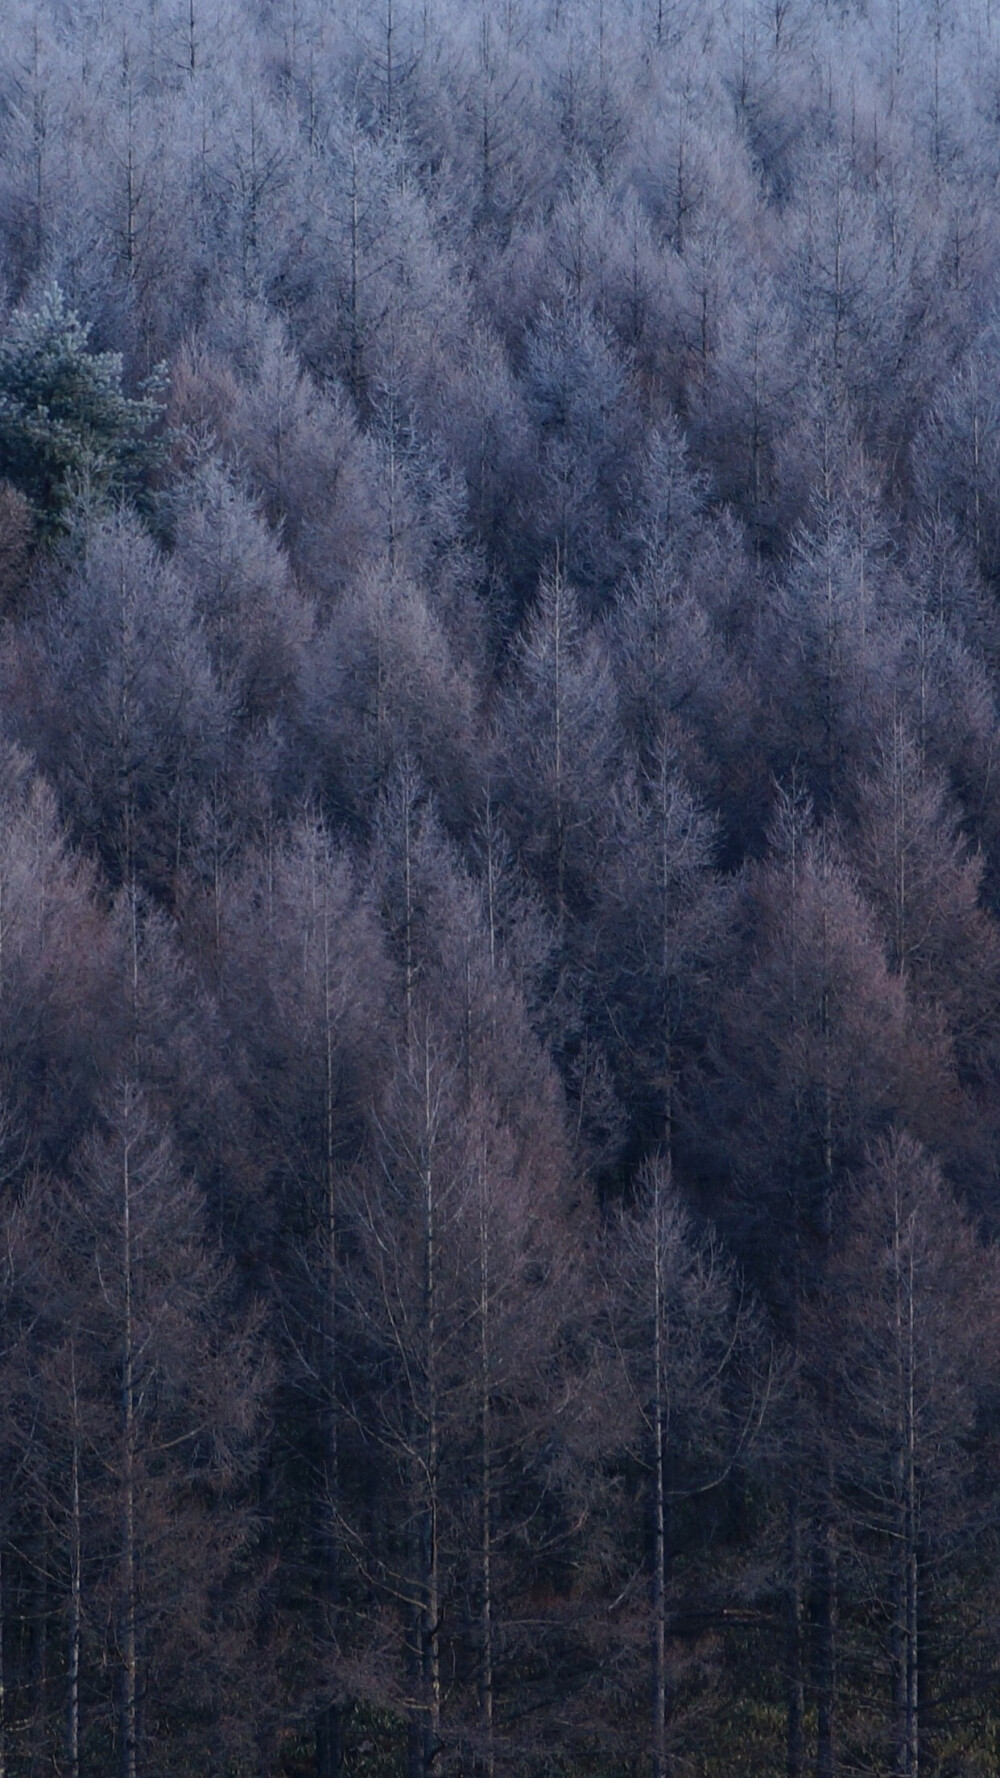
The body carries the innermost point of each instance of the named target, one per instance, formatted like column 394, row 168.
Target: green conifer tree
column 65, row 422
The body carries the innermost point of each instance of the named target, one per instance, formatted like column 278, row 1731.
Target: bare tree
column 910, row 1302
column 698, row 1379
column 161, row 1387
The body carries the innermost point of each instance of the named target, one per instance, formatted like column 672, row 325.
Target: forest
column 500, row 889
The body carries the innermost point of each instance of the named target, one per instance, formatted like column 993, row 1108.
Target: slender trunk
column 666, row 958
column 795, row 1653
column 905, row 1649
column 409, row 964
column 130, row 178
column 826, row 1652
column 661, row 1701
column 415, row 1741
column 826, row 1556
column 898, row 1640
column 38, row 135
column 491, row 888
column 795, row 1685
column 487, row 153
column 355, row 317
column 3, row 933
column 486, row 1482
column 838, row 281
column 897, row 1653
column 3, row 1670
column 431, row 1658
column 328, row 1735
column 328, row 1748
column 130, row 222
column 557, row 761
column 826, row 1506
column 831, row 664
column 38, row 1752
column 904, row 1646
column 912, row 1659
column 977, row 527
column 128, row 1719
column 265, row 1740
column 390, row 96
column 75, row 1572
column 913, row 1650
column 392, row 482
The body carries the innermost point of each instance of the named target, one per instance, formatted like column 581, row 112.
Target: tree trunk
column 328, row 1726
column 38, row 1752
column 485, row 1482
column 557, row 754
column 129, row 1708
column 905, row 1646
column 354, row 331
column 3, row 1669
column 794, row 1682
column 661, row 1702
column 75, row 1568
column 826, row 1653
column 826, row 1554
column 431, row 1659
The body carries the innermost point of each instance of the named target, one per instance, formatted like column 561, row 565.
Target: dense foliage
column 66, row 427
column 499, row 888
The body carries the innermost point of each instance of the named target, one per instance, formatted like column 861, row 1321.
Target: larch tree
column 821, row 1019
column 460, row 1281
column 689, row 1353
column 301, row 970
column 656, row 930
column 124, row 706
column 555, row 744
column 165, row 1392
column 908, row 1307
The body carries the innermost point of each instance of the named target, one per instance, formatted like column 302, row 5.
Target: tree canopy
column 66, row 423
column 499, row 889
